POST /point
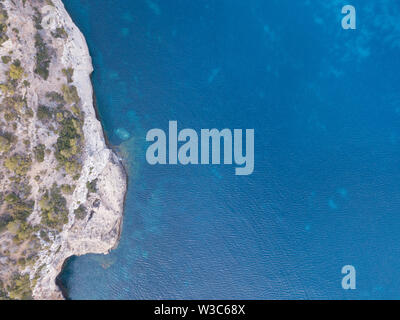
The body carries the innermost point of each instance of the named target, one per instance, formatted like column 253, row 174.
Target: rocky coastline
column 99, row 187
column 101, row 233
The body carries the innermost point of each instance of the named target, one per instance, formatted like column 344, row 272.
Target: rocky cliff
column 62, row 188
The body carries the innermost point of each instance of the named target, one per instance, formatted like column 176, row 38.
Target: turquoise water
column 325, row 106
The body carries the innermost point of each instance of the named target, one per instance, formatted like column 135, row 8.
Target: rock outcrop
column 75, row 157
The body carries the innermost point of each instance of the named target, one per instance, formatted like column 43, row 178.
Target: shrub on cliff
column 68, row 189
column 37, row 19
column 69, row 73
column 54, row 96
column 20, row 288
column 5, row 145
column 92, row 186
column 20, row 210
column 15, row 103
column 7, row 88
column 16, row 71
column 6, row 141
column 6, row 59
column 3, row 24
column 69, row 143
column 10, row 116
column 3, row 35
column 5, row 219
column 3, row 14
column 44, row 235
column 80, row 212
column 42, row 57
column 60, row 33
column 54, row 208
column 22, row 230
column 44, row 113
column 70, row 94
column 73, row 168
column 19, row 164
column 3, row 293
column 39, row 152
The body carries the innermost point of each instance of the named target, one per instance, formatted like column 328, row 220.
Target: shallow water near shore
column 325, row 106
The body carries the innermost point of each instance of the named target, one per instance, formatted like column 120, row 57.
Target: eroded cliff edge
column 62, row 189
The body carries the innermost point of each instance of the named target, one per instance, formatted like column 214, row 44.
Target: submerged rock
column 122, row 133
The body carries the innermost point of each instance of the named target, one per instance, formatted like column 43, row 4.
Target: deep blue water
column 325, row 106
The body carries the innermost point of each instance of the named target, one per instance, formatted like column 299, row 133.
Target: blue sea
column 325, row 106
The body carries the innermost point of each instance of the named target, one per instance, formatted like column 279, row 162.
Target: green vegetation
column 37, row 19
column 76, row 111
column 15, row 222
column 20, row 288
column 15, row 103
column 6, row 141
column 6, row 59
column 10, row 116
column 92, row 186
column 18, row 163
column 7, row 88
column 3, row 292
column 55, row 97
column 60, row 113
column 54, row 208
column 70, row 94
column 27, row 143
column 60, row 33
column 69, row 73
column 3, row 24
column 22, row 230
column 68, row 189
column 29, row 112
column 16, row 71
column 70, row 140
column 21, row 186
column 59, row 116
column 3, row 35
column 4, row 220
column 20, row 210
column 39, row 152
column 44, row 113
column 42, row 57
column 5, row 145
column 21, row 262
column 44, row 235
column 69, row 143
column 80, row 212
